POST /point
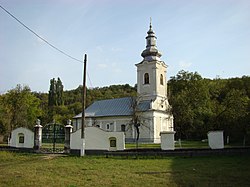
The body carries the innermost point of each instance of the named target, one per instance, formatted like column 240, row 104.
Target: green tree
column 20, row 108
column 230, row 105
column 55, row 97
column 2, row 116
column 189, row 97
column 59, row 92
column 232, row 114
column 43, row 97
column 52, row 93
column 55, row 92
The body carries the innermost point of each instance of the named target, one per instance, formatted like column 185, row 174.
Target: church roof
column 113, row 107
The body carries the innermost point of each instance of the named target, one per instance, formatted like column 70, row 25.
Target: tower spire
column 151, row 52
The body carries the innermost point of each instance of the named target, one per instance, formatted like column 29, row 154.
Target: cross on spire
column 150, row 23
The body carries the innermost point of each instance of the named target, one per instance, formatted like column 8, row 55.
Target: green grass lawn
column 47, row 170
column 184, row 144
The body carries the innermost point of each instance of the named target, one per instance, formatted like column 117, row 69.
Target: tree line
column 198, row 105
column 20, row 107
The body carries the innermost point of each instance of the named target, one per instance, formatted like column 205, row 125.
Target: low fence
column 14, row 149
column 153, row 152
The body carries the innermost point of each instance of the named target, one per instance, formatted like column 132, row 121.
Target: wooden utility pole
column 84, row 96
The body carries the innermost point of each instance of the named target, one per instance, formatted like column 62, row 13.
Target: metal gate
column 53, row 136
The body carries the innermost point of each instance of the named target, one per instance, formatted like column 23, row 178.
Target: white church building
column 152, row 108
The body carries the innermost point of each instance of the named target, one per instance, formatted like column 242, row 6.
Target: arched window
column 146, row 78
column 161, row 79
column 123, row 128
column 21, row 138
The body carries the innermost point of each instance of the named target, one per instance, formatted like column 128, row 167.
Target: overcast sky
column 211, row 37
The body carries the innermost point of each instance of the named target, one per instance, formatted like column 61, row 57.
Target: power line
column 51, row 45
column 37, row 35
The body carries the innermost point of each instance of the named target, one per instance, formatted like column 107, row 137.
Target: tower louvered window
column 146, row 78
column 161, row 79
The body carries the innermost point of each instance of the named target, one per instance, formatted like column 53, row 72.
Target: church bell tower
column 151, row 74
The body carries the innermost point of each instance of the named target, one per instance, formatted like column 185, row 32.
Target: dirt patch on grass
column 154, row 172
column 52, row 156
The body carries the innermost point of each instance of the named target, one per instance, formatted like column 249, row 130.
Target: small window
column 123, row 128
column 161, row 79
column 21, row 137
column 108, row 126
column 146, row 78
column 112, row 142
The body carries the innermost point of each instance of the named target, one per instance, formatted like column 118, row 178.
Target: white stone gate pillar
column 38, row 135
column 215, row 139
column 167, row 140
column 68, row 130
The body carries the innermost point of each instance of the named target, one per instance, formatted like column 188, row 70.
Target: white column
column 154, row 125
column 154, row 81
column 114, row 126
column 90, row 122
column 38, row 135
column 139, row 81
column 161, row 123
column 150, row 127
column 170, row 123
column 133, row 131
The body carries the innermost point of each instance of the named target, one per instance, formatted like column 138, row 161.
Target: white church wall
column 155, row 69
column 160, row 103
column 161, row 89
column 162, row 122
column 145, row 89
column 114, row 123
column 157, row 128
column 97, row 139
column 145, row 132
column 153, row 122
column 22, row 138
column 77, row 123
column 146, row 128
